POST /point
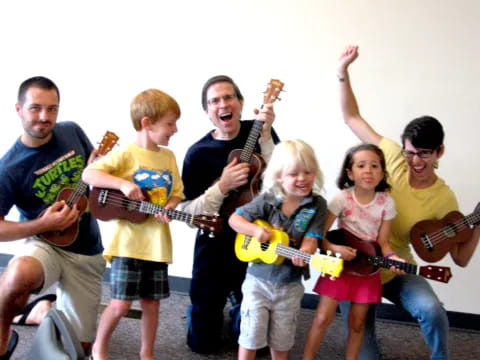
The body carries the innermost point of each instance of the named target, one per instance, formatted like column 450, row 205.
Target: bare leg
column 356, row 328
column 108, row 322
column 323, row 317
column 36, row 314
column 246, row 354
column 279, row 355
column 150, row 312
column 21, row 277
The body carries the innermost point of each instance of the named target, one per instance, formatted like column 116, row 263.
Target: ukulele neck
column 248, row 150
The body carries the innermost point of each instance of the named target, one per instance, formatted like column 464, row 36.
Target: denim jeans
column 416, row 296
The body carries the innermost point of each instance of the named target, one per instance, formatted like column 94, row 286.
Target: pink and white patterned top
column 362, row 220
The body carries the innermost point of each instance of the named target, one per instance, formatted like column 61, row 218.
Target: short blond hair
column 285, row 154
column 154, row 104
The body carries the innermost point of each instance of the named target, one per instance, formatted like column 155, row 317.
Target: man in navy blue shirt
column 47, row 158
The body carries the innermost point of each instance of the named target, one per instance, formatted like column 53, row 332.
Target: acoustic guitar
column 369, row 259
column 247, row 192
column 433, row 239
column 276, row 249
column 108, row 204
column 76, row 196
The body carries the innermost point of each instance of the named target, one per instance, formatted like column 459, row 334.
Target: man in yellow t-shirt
column 419, row 194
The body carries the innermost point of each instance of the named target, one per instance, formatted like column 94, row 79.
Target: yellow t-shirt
column 157, row 173
column 413, row 205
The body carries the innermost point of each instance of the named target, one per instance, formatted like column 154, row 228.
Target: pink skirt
column 360, row 289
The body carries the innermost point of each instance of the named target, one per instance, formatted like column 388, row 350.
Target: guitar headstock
column 438, row 273
column 273, row 90
column 109, row 140
column 327, row 264
column 210, row 223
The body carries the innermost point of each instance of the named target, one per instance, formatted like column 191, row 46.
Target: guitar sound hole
column 450, row 231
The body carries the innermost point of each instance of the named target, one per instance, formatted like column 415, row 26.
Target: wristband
column 342, row 78
column 390, row 254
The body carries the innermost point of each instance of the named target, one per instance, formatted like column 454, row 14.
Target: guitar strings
column 439, row 236
column 76, row 194
column 119, row 200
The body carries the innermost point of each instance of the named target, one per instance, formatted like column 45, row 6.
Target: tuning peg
column 210, row 235
column 202, row 232
column 329, row 252
column 338, row 255
column 333, row 278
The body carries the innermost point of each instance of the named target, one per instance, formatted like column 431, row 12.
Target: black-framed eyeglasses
column 226, row 98
column 423, row 154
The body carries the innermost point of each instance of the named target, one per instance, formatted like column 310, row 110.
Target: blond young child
column 272, row 293
column 140, row 252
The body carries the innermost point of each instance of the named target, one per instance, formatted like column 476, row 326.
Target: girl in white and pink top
column 365, row 209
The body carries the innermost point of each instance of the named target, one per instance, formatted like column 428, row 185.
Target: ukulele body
column 247, row 192
column 432, row 248
column 359, row 265
column 101, row 201
column 68, row 236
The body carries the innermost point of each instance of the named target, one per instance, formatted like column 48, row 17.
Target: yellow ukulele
column 275, row 250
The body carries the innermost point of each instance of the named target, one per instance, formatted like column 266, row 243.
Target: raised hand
column 346, row 58
column 267, row 115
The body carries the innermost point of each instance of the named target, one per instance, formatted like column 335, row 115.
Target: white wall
column 417, row 57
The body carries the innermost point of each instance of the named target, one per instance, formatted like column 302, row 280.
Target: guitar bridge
column 427, row 242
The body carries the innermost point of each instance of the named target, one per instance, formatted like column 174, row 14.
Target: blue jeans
column 416, row 296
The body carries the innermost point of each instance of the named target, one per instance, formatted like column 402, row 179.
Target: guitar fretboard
column 152, row 209
column 290, row 252
column 249, row 148
column 386, row 263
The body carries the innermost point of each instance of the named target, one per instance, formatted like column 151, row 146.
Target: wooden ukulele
column 275, row 250
column 76, row 196
column 369, row 259
column 247, row 192
column 108, row 204
column 433, row 239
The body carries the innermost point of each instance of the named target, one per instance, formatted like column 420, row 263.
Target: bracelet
column 342, row 78
column 390, row 254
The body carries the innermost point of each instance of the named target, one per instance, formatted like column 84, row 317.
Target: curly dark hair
column 343, row 181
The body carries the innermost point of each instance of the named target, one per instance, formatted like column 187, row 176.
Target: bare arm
column 99, row 178
column 58, row 216
column 243, row 226
column 463, row 252
column 348, row 102
column 347, row 252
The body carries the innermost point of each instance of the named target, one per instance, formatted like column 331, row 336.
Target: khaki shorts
column 269, row 314
column 79, row 283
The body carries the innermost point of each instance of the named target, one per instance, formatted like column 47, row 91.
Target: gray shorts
column 269, row 314
column 79, row 283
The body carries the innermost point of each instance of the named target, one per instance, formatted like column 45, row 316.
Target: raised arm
column 348, row 102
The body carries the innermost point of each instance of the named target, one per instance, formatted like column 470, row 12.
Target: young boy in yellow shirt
column 140, row 252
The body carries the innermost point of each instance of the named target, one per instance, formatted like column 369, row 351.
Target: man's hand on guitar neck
column 267, row 115
column 233, row 176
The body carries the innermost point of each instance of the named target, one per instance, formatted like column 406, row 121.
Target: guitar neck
column 386, row 263
column 289, row 252
column 153, row 209
column 249, row 148
column 473, row 219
